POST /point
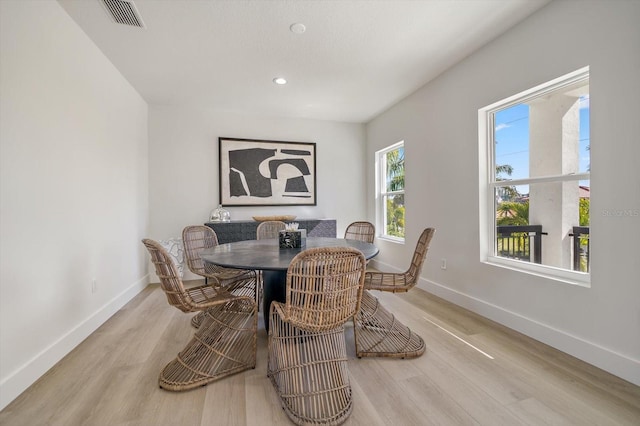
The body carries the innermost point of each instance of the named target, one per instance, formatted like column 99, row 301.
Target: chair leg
column 224, row 344
column 378, row 333
column 309, row 373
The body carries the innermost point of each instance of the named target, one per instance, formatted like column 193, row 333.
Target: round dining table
column 267, row 256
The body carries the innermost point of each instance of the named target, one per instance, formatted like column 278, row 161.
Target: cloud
column 584, row 102
column 501, row 126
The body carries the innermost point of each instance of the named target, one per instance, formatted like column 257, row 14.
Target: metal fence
column 580, row 236
column 520, row 242
column 525, row 243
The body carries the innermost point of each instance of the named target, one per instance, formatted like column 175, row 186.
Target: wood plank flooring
column 493, row 376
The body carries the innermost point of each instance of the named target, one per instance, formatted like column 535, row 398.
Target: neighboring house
column 585, row 191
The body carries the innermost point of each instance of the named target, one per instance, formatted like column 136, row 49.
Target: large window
column 390, row 188
column 536, row 148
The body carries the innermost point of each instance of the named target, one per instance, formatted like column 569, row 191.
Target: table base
column 273, row 288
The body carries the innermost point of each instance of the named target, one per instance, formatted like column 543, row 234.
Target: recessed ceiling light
column 280, row 80
column 298, row 28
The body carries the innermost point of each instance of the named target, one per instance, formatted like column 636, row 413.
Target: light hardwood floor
column 111, row 378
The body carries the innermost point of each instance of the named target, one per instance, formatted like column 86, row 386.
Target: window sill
column 581, row 279
column 390, row 239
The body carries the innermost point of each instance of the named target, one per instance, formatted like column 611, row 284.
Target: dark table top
column 267, row 254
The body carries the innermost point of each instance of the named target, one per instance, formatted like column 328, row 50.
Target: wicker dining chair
column 362, row 231
column 240, row 282
column 225, row 342
column 269, row 229
column 307, row 361
column 377, row 331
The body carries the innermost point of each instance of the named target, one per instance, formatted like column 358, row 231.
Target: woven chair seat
column 243, row 285
column 385, row 281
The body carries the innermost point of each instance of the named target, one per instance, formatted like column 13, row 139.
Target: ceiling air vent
column 123, row 12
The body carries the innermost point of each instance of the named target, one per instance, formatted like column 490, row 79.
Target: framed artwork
column 267, row 173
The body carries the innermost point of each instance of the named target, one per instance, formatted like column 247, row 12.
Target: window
column 390, row 200
column 535, row 146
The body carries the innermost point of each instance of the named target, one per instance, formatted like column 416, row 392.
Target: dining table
column 267, row 256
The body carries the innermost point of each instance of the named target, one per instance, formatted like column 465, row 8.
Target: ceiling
column 355, row 59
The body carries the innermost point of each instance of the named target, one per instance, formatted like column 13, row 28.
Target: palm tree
column 506, row 192
column 513, row 213
column 395, row 169
column 504, row 168
column 395, row 182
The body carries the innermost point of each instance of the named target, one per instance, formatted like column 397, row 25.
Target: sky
column 512, row 136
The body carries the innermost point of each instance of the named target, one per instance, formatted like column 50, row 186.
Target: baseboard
column 589, row 352
column 18, row 381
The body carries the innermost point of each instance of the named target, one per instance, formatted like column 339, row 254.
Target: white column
column 554, row 150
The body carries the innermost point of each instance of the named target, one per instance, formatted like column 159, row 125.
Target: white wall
column 183, row 166
column 439, row 125
column 73, row 190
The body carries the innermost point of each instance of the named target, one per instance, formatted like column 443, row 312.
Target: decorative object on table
column 225, row 342
column 175, row 249
column 267, row 173
column 307, row 361
column 281, row 218
column 291, row 237
column 377, row 331
column 220, row 214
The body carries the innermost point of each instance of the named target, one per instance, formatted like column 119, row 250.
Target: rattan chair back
column 170, row 281
column 324, row 287
column 419, row 255
column 401, row 282
column 240, row 282
column 362, row 231
column 196, row 238
column 269, row 229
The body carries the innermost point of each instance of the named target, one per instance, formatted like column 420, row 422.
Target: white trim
column 539, row 90
column 558, row 274
column 542, row 179
column 19, row 380
column 391, row 239
column 391, row 147
column 602, row 357
column 380, row 196
column 488, row 182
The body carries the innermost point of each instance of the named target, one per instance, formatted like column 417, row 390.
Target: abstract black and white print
column 259, row 172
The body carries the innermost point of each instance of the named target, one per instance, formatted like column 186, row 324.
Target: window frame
column 489, row 184
column 382, row 194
